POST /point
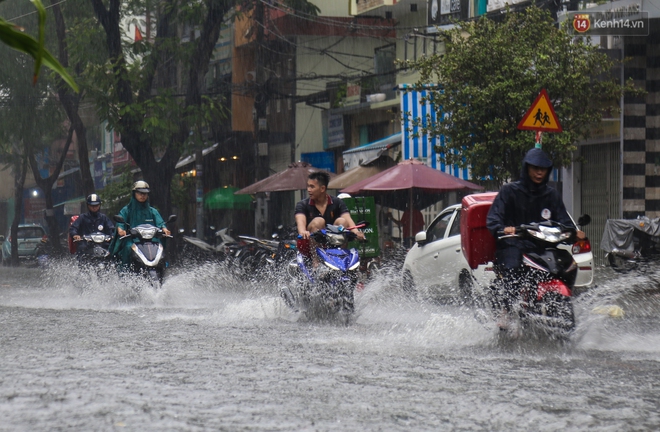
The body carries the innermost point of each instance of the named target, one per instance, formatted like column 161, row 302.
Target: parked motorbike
column 148, row 256
column 631, row 244
column 92, row 249
column 544, row 288
column 325, row 285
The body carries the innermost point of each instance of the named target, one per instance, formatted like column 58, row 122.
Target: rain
column 216, row 113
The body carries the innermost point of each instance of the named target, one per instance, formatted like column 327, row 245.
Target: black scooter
column 92, row 249
column 542, row 290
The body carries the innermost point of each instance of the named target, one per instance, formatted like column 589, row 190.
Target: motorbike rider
column 528, row 200
column 92, row 221
column 136, row 212
column 320, row 209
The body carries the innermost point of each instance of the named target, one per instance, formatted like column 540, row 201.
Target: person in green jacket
column 136, row 212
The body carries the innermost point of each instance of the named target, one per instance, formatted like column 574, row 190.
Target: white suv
column 435, row 266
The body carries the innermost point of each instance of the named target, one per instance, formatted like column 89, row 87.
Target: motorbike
column 631, row 244
column 93, row 249
column 544, row 286
column 324, row 286
column 148, row 256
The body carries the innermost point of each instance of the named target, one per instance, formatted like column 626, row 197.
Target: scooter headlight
column 335, row 239
column 98, row 238
column 354, row 266
column 146, row 233
column 550, row 234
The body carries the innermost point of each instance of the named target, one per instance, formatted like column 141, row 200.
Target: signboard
column 441, row 12
column 541, row 116
column 321, row 160
column 353, row 91
column 361, row 6
column 364, row 209
column 333, row 130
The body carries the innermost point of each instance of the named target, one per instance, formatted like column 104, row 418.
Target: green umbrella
column 224, row 199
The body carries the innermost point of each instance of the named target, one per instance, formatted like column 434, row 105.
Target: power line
column 34, row 12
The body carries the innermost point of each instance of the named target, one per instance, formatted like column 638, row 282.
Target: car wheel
column 466, row 288
column 408, row 283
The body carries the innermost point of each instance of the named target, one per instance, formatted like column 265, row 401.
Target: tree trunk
column 19, row 182
column 71, row 101
column 46, row 185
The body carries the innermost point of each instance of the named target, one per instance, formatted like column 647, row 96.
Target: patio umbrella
column 410, row 184
column 360, row 173
column 224, row 198
column 291, row 179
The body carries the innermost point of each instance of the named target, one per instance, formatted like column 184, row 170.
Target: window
column 456, row 225
column 437, row 230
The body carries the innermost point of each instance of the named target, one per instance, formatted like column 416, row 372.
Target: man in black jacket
column 91, row 222
column 530, row 199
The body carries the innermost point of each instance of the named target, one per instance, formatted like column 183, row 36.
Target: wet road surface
column 211, row 352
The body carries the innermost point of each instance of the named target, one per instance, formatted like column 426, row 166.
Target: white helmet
column 343, row 195
column 141, row 186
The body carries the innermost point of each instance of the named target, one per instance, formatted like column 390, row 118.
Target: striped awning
column 415, row 106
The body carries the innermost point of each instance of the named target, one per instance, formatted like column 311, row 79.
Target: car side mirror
column 583, row 220
column 420, row 237
column 119, row 219
column 171, row 219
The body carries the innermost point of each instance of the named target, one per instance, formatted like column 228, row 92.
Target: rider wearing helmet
column 137, row 212
column 91, row 222
column 528, row 200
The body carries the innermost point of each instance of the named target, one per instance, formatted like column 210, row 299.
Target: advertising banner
column 364, row 209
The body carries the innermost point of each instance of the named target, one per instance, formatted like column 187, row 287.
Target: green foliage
column 181, row 188
column 489, row 77
column 117, row 194
column 12, row 36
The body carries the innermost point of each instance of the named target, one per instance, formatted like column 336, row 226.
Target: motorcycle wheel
column 621, row 264
column 560, row 309
column 156, row 278
column 288, row 298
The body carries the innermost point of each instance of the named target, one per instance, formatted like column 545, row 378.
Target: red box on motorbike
column 477, row 242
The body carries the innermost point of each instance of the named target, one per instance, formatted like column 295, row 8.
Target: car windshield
column 31, row 232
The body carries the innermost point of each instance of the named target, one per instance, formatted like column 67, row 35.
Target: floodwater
column 212, row 352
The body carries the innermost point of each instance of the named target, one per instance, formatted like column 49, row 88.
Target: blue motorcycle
column 325, row 283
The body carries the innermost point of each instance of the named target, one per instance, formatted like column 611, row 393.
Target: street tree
column 490, row 75
column 152, row 90
column 30, row 119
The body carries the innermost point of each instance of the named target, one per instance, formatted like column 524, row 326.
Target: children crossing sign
column 541, row 116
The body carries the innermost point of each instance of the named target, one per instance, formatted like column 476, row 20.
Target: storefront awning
column 370, row 152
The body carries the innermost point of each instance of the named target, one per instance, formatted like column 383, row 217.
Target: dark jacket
column 524, row 202
column 89, row 223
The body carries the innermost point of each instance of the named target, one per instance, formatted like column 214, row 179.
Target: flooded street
column 208, row 352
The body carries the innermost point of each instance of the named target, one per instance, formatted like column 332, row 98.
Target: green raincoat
column 135, row 213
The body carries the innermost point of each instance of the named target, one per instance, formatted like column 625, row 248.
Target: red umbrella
column 291, row 179
column 410, row 184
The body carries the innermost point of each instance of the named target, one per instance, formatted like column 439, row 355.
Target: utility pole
column 260, row 119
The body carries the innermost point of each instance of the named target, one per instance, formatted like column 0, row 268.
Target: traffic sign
column 541, row 116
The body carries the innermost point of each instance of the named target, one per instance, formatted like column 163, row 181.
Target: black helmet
column 93, row 200
column 141, row 186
